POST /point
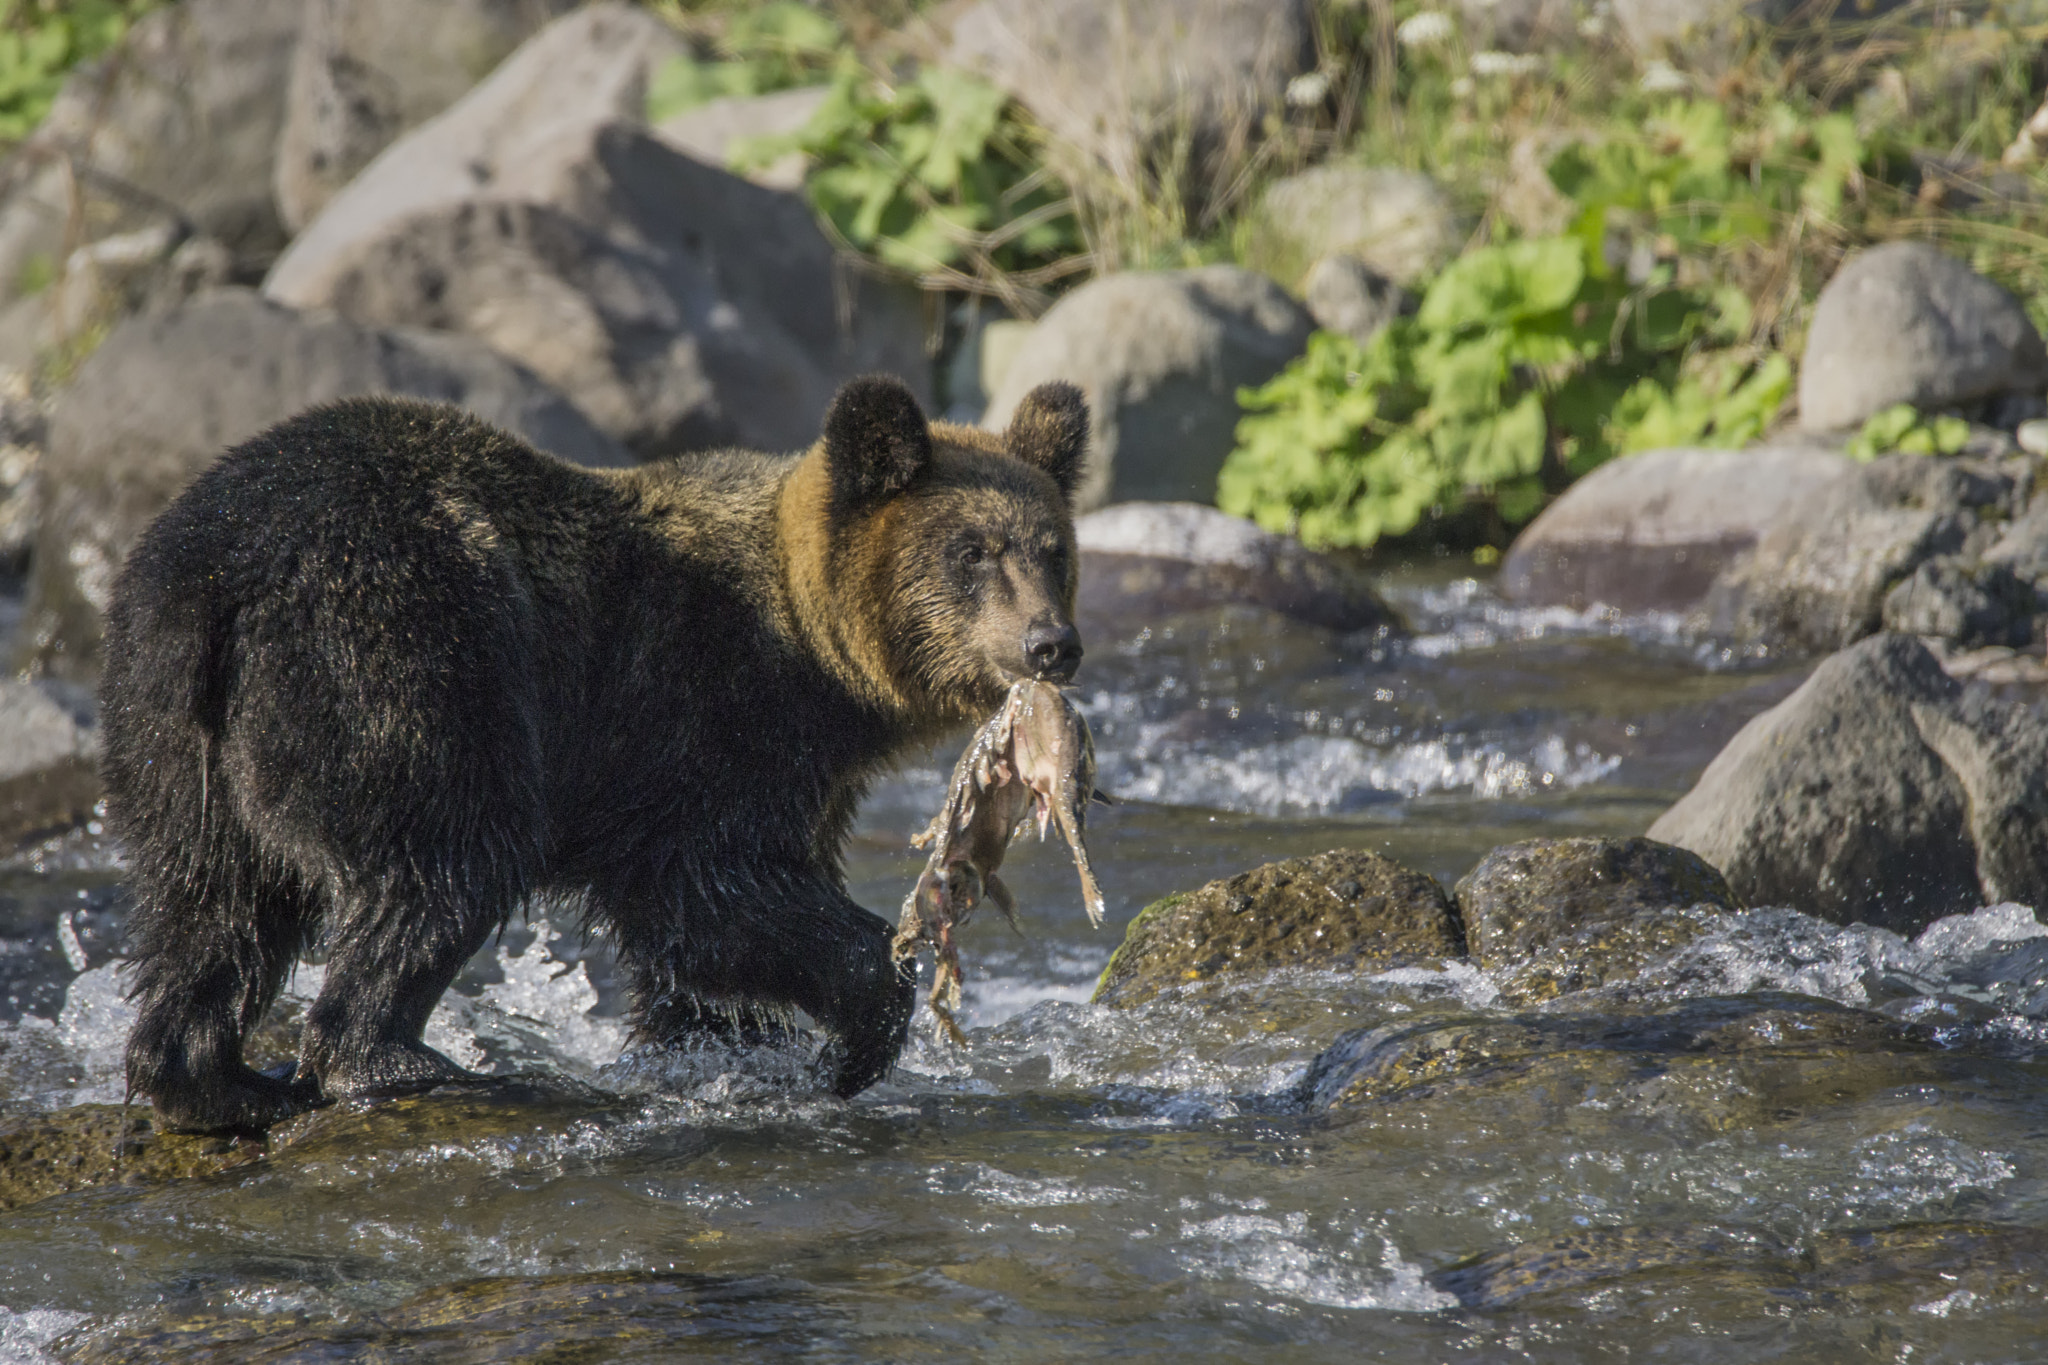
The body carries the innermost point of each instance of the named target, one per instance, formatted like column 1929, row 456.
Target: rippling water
column 1162, row 1182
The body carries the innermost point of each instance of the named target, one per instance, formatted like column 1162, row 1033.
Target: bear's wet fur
column 384, row 673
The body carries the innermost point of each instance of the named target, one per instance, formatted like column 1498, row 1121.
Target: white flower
column 1504, row 63
column 1425, row 29
column 1662, row 78
column 1308, row 89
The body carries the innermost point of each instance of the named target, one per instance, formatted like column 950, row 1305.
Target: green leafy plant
column 935, row 176
column 1526, row 365
column 1902, row 428
column 765, row 48
column 41, row 40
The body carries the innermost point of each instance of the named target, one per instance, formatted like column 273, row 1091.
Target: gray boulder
column 1819, row 576
column 1904, row 323
column 1967, row 605
column 367, row 70
column 1651, row 531
column 165, row 394
column 1346, row 295
column 1400, row 223
column 1880, row 791
column 1144, row 560
column 1161, row 356
column 1560, row 915
column 1343, row 910
column 49, row 759
column 176, row 126
column 713, row 132
column 1124, row 84
column 680, row 306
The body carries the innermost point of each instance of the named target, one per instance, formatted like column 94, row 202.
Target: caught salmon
column 1034, row 758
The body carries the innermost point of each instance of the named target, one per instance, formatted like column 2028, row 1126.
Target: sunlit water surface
column 1147, row 1184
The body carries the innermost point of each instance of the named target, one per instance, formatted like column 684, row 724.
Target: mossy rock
column 1583, row 1261
column 1561, row 915
column 1714, row 1062
column 1343, row 909
column 42, row 1155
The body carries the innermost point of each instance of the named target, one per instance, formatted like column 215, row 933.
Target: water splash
column 1283, row 1255
column 24, row 1336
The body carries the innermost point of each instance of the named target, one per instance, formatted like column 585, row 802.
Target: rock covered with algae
column 43, row 1155
column 1345, row 909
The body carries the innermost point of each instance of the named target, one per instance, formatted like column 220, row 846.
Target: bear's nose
column 1054, row 651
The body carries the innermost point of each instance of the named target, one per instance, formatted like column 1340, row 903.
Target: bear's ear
column 876, row 441
column 1050, row 431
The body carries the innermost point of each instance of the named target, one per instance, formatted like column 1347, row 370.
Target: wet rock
column 1563, row 915
column 1785, row 1053
column 165, row 394
column 1863, row 1269
column 1651, row 531
column 681, row 307
column 714, row 131
column 1581, row 1261
column 174, row 128
column 365, row 71
column 42, row 1155
column 1818, row 577
column 49, row 760
column 1399, row 223
column 1346, row 295
column 1123, row 85
column 1342, row 909
column 1144, row 560
column 1970, row 606
column 1880, row 791
column 1904, row 323
column 517, row 1120
column 1161, row 356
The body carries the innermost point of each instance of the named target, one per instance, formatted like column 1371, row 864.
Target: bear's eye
column 971, row 556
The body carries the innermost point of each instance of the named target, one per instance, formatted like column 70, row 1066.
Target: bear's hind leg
column 394, row 957
column 204, row 977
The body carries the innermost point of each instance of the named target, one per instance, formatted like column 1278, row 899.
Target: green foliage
column 1902, row 428
column 41, row 40
column 935, row 176
column 1526, row 365
column 770, row 47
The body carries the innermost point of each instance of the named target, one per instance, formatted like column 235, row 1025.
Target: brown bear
column 384, row 672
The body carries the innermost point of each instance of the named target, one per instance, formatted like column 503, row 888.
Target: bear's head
column 950, row 554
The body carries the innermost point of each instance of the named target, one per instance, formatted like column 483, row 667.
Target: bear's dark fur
column 384, row 672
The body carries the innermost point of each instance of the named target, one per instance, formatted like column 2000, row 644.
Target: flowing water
column 1167, row 1182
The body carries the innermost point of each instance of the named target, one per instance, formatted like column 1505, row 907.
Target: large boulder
column 1125, row 84
column 49, row 759
column 1144, row 560
column 176, row 126
column 1650, row 532
column 716, row 131
column 1819, row 577
column 679, row 305
column 367, row 70
column 1904, row 323
column 1400, row 223
column 1880, row 791
column 166, row 393
column 1560, row 915
column 1346, row 910
column 1161, row 356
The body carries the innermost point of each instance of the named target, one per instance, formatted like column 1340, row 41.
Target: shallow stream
column 1153, row 1184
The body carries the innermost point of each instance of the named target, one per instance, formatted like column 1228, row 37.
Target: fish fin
column 1005, row 902
column 1101, row 797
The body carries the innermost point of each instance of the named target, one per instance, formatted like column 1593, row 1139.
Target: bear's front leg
column 728, row 972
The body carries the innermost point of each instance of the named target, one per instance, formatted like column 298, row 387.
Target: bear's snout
column 1054, row 649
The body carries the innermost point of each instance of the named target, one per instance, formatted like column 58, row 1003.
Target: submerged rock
column 1819, row 575
column 1905, row 323
column 1651, row 531
column 1161, row 355
column 1561, row 915
column 42, row 1155
column 1342, row 909
column 165, row 394
column 1889, row 1269
column 1144, row 560
column 1880, row 791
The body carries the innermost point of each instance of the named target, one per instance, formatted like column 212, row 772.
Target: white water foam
column 1284, row 1256
column 23, row 1336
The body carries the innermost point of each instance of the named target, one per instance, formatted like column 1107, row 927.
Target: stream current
column 1158, row 1183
